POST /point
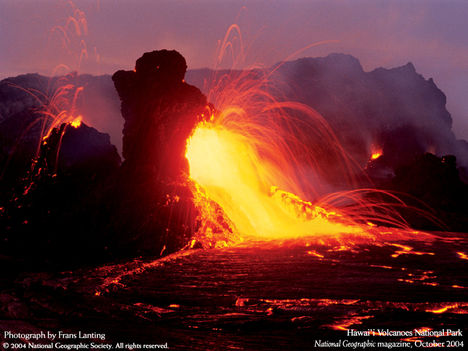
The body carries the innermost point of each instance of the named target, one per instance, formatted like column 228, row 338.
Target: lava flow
column 259, row 162
column 277, row 170
column 235, row 176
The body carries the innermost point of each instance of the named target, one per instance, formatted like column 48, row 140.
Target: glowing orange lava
column 375, row 152
column 244, row 184
column 443, row 309
column 260, row 167
column 76, row 123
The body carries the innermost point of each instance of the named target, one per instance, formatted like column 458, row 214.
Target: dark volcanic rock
column 394, row 109
column 28, row 94
column 72, row 202
column 160, row 111
column 54, row 213
column 436, row 182
column 51, row 188
column 16, row 94
column 87, row 149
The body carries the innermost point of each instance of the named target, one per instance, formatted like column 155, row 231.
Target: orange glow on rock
column 375, row 155
column 376, row 152
column 408, row 250
column 348, row 322
column 440, row 310
column 76, row 123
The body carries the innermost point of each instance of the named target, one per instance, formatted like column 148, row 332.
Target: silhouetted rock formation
column 160, row 111
column 436, row 182
column 81, row 150
column 26, row 95
column 55, row 217
column 73, row 198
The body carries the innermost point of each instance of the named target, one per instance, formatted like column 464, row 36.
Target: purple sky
column 430, row 33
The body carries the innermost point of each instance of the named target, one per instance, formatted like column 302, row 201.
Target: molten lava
column 76, row 123
column 375, row 152
column 261, row 167
column 233, row 174
column 376, row 155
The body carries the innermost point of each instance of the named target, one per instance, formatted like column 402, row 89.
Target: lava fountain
column 236, row 177
column 259, row 158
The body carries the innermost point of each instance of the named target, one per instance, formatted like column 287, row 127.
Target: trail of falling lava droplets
column 268, row 163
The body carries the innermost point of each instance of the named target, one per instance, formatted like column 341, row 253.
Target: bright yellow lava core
column 233, row 174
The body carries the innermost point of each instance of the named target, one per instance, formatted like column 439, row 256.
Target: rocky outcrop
column 160, row 110
column 29, row 94
column 74, row 191
column 54, row 213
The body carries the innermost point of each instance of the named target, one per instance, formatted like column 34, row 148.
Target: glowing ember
column 375, row 151
column 315, row 254
column 345, row 323
column 408, row 250
column 443, row 309
column 76, row 122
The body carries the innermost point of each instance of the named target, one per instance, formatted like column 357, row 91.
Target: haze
column 431, row 34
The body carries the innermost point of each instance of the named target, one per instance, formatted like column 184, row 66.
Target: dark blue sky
column 430, row 33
